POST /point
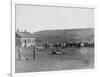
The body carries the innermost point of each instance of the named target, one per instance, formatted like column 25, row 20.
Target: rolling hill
column 85, row 35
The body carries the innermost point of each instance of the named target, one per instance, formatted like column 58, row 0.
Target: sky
column 36, row 18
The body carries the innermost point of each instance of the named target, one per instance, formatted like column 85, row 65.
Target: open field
column 72, row 59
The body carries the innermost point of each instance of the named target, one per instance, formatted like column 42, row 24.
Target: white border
column 13, row 38
column 53, row 4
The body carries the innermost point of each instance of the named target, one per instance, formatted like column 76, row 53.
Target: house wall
column 18, row 42
column 29, row 41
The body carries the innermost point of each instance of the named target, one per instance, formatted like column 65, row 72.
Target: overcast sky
column 36, row 18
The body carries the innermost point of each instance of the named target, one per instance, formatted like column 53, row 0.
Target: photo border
column 13, row 29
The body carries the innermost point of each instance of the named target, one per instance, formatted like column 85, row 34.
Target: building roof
column 24, row 35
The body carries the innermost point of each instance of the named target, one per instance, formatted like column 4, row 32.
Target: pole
column 33, row 52
column 19, row 53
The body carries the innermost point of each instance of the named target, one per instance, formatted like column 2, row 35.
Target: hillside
column 65, row 35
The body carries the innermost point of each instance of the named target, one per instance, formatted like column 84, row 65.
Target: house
column 24, row 39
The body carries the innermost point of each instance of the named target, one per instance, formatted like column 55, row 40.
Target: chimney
column 25, row 30
column 17, row 30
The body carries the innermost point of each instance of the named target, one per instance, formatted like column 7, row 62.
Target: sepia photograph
column 53, row 38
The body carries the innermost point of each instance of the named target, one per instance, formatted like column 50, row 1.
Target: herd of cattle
column 57, row 45
column 69, row 44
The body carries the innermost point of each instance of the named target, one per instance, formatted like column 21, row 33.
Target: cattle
column 76, row 44
column 86, row 44
column 60, row 46
column 46, row 45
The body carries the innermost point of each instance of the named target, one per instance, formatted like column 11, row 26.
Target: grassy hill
column 65, row 35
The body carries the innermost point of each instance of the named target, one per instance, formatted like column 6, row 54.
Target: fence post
column 33, row 52
column 19, row 53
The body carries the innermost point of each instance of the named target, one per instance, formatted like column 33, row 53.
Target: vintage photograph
column 53, row 38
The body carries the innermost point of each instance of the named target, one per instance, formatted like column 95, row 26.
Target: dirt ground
column 44, row 61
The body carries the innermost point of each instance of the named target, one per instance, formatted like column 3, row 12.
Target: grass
column 72, row 59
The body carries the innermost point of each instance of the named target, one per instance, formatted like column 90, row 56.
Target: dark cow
column 46, row 45
column 86, row 44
